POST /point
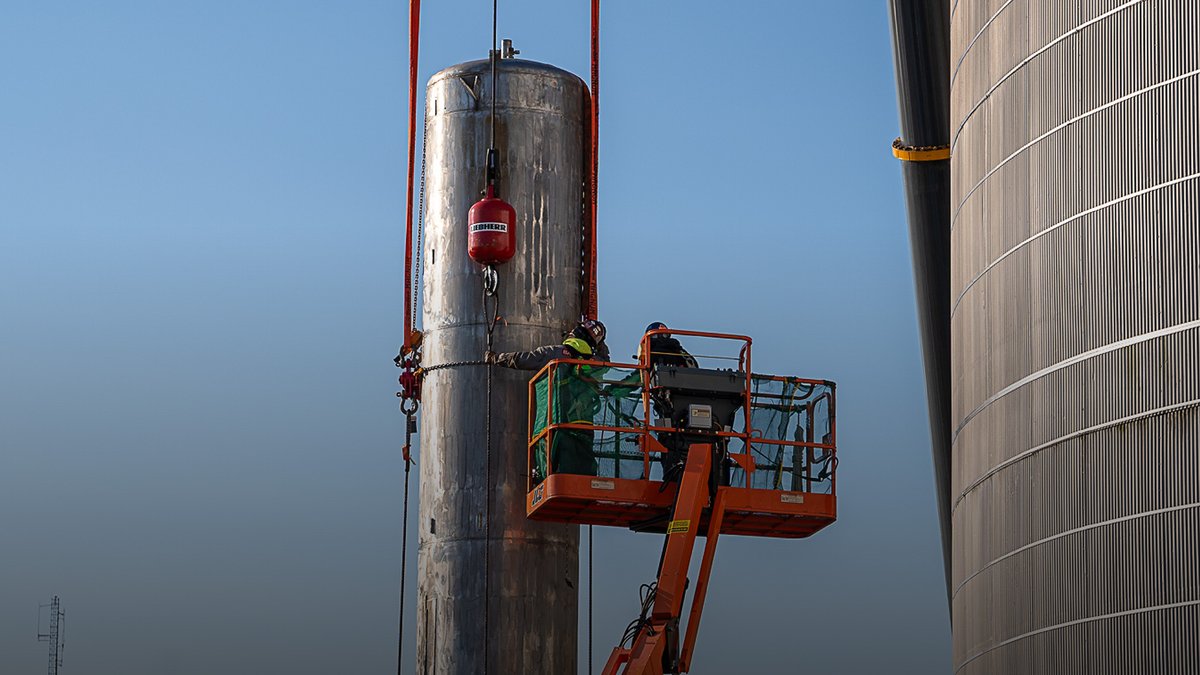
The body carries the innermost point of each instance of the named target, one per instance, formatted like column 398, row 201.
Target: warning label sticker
column 604, row 485
column 678, row 526
column 489, row 227
column 791, row 498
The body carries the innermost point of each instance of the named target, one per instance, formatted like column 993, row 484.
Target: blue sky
column 201, row 250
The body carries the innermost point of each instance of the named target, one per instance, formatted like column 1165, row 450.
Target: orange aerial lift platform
column 667, row 446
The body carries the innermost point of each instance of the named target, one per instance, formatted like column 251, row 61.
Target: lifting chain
column 420, row 223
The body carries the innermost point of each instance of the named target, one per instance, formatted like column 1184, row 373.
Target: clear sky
column 201, row 250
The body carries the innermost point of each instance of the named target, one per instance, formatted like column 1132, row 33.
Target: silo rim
column 507, row 66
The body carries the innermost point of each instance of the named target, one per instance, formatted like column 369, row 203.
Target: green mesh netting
column 603, row 396
column 787, row 409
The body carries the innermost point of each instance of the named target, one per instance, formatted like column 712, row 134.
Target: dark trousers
column 572, row 453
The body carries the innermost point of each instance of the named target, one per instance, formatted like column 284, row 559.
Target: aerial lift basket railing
column 777, row 459
column 665, row 446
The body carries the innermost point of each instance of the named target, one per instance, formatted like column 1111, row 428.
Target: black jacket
column 666, row 350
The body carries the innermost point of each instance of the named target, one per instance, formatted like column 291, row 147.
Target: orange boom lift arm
column 775, row 481
column 656, row 646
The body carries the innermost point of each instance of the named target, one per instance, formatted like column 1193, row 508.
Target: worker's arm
column 602, row 353
column 691, row 360
column 531, row 360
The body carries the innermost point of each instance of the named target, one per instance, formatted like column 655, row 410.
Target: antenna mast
column 54, row 636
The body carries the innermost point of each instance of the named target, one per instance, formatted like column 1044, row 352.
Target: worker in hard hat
column 576, row 395
column 664, row 350
column 667, row 351
column 585, row 341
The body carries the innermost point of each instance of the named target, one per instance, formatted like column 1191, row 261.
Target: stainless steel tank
column 541, row 131
column 1075, row 333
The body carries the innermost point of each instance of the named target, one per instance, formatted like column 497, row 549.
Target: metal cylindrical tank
column 1075, row 336
column 541, row 130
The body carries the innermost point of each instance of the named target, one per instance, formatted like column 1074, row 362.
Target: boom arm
column 656, row 649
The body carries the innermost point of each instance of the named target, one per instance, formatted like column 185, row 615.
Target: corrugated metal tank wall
column 534, row 567
column 1075, row 332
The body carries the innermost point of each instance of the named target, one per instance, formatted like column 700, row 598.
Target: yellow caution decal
column 678, row 526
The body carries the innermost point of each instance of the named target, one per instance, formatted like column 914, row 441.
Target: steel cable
column 489, row 292
column 590, row 577
column 408, row 426
column 492, row 320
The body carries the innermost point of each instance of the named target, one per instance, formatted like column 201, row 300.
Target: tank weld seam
column 1077, row 530
column 1081, row 27
column 1164, row 410
column 1061, row 223
column 472, row 111
column 503, row 538
column 967, row 49
column 474, row 324
column 1078, row 118
column 1065, row 363
column 1075, row 622
column 473, row 68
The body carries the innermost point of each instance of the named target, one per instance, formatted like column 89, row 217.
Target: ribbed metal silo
column 531, row 621
column 1075, row 336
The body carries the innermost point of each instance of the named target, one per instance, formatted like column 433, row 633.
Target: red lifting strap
column 414, row 31
column 592, row 299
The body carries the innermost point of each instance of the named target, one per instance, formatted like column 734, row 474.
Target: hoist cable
column 491, row 162
column 590, row 577
column 495, row 57
column 487, row 460
column 491, row 327
column 489, row 291
column 408, row 426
